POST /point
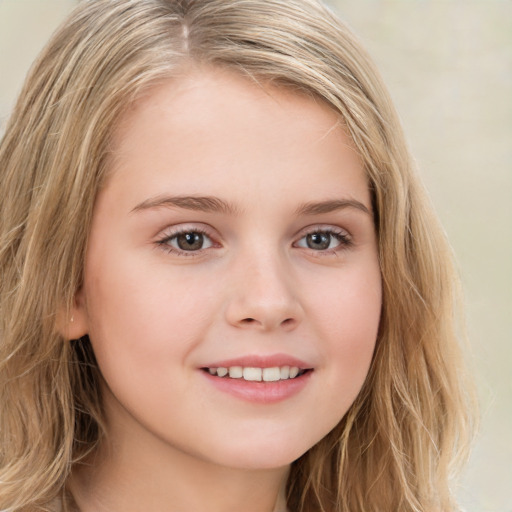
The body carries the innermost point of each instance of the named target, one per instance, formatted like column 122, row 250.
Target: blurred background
column 448, row 65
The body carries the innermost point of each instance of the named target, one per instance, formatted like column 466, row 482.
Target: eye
column 325, row 239
column 191, row 240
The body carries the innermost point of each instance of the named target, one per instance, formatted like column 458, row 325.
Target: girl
column 222, row 286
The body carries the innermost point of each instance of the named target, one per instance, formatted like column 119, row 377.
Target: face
column 232, row 289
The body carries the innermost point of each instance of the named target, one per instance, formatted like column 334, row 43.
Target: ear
column 74, row 324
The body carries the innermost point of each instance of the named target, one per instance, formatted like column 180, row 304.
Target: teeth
column 236, row 372
column 271, row 374
column 221, row 372
column 251, row 374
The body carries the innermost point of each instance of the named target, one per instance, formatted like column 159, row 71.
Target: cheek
column 349, row 305
column 140, row 318
column 348, row 314
column 142, row 328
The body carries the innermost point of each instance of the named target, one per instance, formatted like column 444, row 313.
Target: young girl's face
column 235, row 234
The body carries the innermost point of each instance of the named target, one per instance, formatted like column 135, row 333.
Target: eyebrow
column 208, row 204
column 332, row 205
column 212, row 204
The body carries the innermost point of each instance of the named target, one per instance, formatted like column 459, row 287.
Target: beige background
column 448, row 64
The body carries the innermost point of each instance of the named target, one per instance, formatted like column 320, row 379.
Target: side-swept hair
column 395, row 448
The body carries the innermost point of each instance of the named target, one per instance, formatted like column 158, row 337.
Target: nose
column 262, row 296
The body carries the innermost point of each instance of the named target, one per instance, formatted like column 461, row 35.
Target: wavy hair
column 400, row 442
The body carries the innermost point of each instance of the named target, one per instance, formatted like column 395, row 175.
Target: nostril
column 266, row 321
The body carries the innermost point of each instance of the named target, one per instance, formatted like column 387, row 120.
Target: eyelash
column 344, row 239
column 164, row 242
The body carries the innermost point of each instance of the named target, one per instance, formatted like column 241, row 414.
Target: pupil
column 190, row 241
column 318, row 241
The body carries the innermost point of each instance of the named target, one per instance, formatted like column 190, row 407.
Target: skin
column 157, row 314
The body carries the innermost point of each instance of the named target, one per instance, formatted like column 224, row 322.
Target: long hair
column 399, row 443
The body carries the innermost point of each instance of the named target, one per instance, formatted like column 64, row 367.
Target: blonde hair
column 398, row 444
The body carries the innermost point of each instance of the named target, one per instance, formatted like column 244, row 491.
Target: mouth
column 256, row 374
column 259, row 379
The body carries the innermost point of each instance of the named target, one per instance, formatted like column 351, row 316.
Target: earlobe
column 72, row 323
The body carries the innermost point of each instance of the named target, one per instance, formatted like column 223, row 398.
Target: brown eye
column 189, row 241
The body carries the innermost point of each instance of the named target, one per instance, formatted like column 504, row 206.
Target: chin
column 263, row 453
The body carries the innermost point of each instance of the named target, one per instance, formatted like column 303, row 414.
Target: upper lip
column 260, row 361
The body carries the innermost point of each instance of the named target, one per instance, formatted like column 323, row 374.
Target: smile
column 253, row 374
column 260, row 379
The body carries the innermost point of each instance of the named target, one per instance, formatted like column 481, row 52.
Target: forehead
column 198, row 94
column 214, row 127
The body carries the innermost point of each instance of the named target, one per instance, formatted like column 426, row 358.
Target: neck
column 135, row 471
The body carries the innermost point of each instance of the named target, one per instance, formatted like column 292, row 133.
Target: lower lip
column 260, row 392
